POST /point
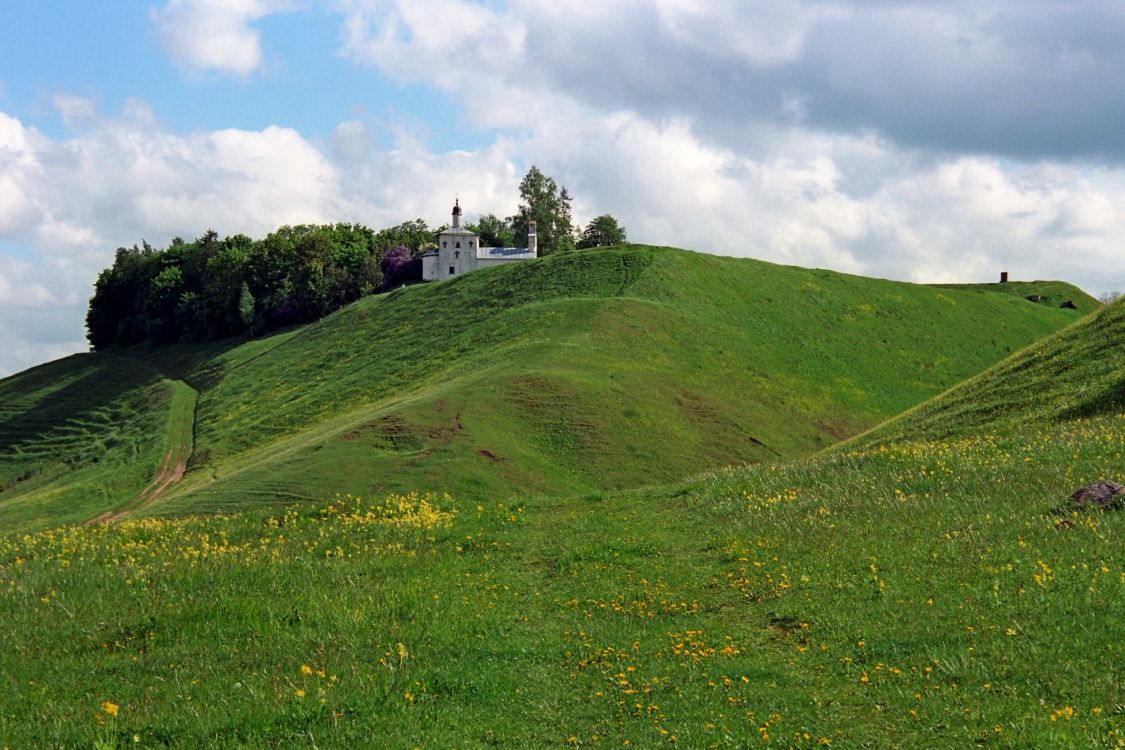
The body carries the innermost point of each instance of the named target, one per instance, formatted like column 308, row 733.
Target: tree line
column 212, row 288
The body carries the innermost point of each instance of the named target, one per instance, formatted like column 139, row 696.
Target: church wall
column 430, row 265
column 461, row 259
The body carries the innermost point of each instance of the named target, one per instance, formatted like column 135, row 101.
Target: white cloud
column 699, row 123
column 973, row 217
column 456, row 46
column 120, row 180
column 384, row 187
column 19, row 286
column 76, row 111
column 855, row 203
column 18, row 165
column 20, row 354
column 35, row 324
column 69, row 203
column 217, row 35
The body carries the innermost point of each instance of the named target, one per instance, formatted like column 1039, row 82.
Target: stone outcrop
column 1104, row 494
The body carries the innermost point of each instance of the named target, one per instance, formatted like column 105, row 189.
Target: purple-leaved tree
column 400, row 267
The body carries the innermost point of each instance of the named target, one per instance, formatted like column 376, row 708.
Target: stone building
column 459, row 251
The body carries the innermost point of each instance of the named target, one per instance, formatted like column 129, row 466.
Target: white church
column 459, row 251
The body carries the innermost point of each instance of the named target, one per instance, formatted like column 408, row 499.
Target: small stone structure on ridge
column 459, row 251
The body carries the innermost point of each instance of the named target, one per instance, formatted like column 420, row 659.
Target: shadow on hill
column 89, row 384
column 70, row 414
column 1109, row 401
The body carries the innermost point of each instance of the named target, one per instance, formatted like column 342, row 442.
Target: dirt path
column 174, row 466
column 169, row 474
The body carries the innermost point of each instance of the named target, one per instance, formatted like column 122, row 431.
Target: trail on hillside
column 181, row 436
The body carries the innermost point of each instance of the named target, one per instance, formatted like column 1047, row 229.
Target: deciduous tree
column 493, row 231
column 399, row 266
column 546, row 205
column 246, row 307
column 602, row 232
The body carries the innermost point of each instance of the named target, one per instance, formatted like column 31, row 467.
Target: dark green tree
column 549, row 207
column 211, row 288
column 115, row 316
column 271, row 271
column 493, row 231
column 162, row 305
column 226, row 272
column 416, row 236
column 314, row 276
column 602, row 232
column 191, row 318
column 354, row 268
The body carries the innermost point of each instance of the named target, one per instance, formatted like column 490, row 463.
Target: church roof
column 504, row 253
column 457, row 230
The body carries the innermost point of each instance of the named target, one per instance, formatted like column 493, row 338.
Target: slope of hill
column 86, row 434
column 1074, row 374
column 596, row 370
column 932, row 594
column 1048, row 293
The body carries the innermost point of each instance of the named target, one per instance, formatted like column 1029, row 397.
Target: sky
column 921, row 140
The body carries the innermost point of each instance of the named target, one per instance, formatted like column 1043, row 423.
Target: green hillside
column 933, row 592
column 1077, row 373
column 84, row 435
column 1046, row 293
column 584, row 372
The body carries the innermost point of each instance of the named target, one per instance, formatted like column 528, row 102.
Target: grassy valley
column 594, row 371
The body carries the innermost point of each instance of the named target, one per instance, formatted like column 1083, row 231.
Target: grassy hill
column 83, row 435
column 929, row 592
column 1077, row 373
column 1046, row 293
column 592, row 371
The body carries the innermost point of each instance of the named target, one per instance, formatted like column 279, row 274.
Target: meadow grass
column 932, row 594
column 919, row 589
column 1049, row 293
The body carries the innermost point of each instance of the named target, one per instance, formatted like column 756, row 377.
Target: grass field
column 573, row 374
column 908, row 591
column 756, row 602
